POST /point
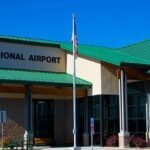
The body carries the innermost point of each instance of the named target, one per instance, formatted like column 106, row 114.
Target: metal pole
column 2, row 130
column 126, row 101
column 147, row 109
column 147, row 138
column 120, row 105
column 92, row 140
column 122, row 99
column 74, row 85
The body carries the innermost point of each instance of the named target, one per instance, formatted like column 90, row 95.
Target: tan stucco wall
column 87, row 69
column 63, row 122
column 14, row 126
column 69, row 123
column 109, row 80
column 59, row 121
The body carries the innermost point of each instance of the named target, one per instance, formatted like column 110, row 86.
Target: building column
column 148, row 115
column 101, row 121
column 86, row 133
column 123, row 110
column 28, row 135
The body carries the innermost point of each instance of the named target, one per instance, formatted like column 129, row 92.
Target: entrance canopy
column 40, row 78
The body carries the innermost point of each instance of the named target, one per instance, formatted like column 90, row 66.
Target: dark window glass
column 132, row 101
column 141, row 111
column 137, row 108
column 44, row 119
column 116, row 123
column 132, row 126
column 97, row 125
column 94, row 111
column 132, row 112
column 110, row 125
column 111, row 115
column 97, row 139
column 141, row 124
column 136, row 88
column 80, row 120
column 142, row 100
column 96, row 107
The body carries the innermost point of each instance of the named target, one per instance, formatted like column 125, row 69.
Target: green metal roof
column 109, row 55
column 140, row 50
column 40, row 78
column 23, row 40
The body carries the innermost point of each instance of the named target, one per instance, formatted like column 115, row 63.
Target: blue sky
column 112, row 23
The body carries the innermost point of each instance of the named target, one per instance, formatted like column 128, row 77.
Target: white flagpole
column 74, row 83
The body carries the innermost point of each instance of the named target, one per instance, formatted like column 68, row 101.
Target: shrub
column 137, row 141
column 13, row 144
column 148, row 143
column 112, row 140
column 7, row 142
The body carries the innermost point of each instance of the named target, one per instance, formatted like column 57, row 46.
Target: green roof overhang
column 98, row 53
column 135, row 65
column 40, row 78
column 29, row 41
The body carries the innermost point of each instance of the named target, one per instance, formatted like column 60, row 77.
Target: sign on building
column 32, row 57
column 2, row 116
column 92, row 125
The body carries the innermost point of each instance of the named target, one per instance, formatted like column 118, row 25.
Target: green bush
column 7, row 142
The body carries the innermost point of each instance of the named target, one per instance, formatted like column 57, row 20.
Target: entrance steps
column 52, row 148
column 85, row 148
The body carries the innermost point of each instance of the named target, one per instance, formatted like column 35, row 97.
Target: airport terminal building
column 36, row 91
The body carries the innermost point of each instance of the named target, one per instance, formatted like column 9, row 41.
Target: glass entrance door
column 43, row 122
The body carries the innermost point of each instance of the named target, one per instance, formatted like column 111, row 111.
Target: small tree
column 137, row 141
column 112, row 140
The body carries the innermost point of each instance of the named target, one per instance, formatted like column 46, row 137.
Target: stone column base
column 25, row 139
column 86, row 139
column 123, row 139
column 147, row 136
column 28, row 140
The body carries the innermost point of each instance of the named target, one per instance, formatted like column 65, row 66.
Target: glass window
column 141, row 124
column 141, row 100
column 80, row 120
column 137, row 108
column 110, row 125
column 112, row 112
column 96, row 139
column 132, row 112
column 44, row 118
column 96, row 107
column 94, row 111
column 97, row 125
column 141, row 111
column 132, row 126
column 116, row 127
column 111, row 115
column 132, row 100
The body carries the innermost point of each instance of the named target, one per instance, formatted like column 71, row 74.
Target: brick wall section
column 14, row 127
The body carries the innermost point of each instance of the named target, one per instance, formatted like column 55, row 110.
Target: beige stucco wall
column 14, row 126
column 87, row 69
column 101, row 75
column 109, row 80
